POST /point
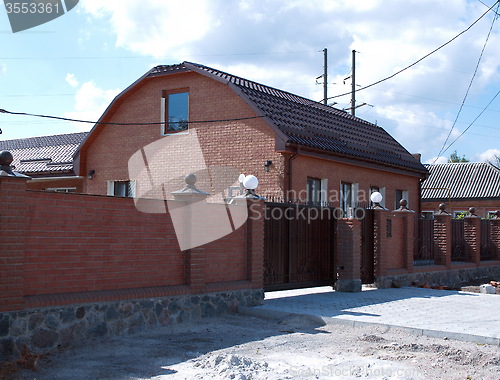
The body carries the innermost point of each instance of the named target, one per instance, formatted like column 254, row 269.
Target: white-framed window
column 121, row 188
column 175, row 111
column 313, row 190
column 401, row 194
column 348, row 198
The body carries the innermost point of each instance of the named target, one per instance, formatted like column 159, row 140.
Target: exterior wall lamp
column 267, row 164
column 91, row 174
column 376, row 198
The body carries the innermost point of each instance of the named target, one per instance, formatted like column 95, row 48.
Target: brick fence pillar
column 495, row 237
column 472, row 232
column 408, row 237
column 348, row 255
column 255, row 243
column 442, row 239
column 13, row 218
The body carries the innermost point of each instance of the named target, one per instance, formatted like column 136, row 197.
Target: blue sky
column 74, row 65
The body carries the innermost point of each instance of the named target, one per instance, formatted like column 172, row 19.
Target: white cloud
column 155, row 27
column 71, row 80
column 3, row 69
column 279, row 43
column 489, row 155
column 90, row 103
column 437, row 160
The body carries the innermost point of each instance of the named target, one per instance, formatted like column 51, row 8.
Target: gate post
column 472, row 237
column 13, row 231
column 442, row 237
column 255, row 242
column 495, row 236
column 348, row 255
column 408, row 235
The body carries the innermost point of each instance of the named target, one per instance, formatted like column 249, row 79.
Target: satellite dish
column 241, row 178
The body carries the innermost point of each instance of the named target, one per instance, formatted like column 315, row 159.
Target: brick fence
column 70, row 260
column 77, row 267
column 396, row 239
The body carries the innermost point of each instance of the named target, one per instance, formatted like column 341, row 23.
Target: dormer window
column 175, row 111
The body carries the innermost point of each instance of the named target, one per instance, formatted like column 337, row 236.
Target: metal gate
column 425, row 252
column 487, row 248
column 458, row 240
column 367, row 248
column 298, row 246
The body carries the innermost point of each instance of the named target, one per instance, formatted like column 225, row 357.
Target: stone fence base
column 44, row 329
column 452, row 278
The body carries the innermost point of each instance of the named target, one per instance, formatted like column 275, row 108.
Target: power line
column 486, row 5
column 110, row 123
column 308, row 103
column 421, row 59
column 468, row 88
column 471, row 124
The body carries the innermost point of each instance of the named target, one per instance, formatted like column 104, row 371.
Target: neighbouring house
column 188, row 117
column 48, row 160
column 461, row 186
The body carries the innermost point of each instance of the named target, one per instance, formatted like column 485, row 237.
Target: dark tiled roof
column 44, row 155
column 462, row 181
column 311, row 124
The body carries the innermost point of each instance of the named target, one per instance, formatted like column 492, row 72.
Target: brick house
column 297, row 148
column 48, row 160
column 461, row 186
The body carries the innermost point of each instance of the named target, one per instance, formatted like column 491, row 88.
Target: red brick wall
column 13, row 214
column 53, row 243
column 242, row 145
column 337, row 172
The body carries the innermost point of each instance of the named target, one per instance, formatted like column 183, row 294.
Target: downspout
column 290, row 161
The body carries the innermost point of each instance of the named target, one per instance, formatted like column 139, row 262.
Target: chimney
column 418, row 156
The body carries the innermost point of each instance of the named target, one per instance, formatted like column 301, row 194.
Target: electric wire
column 468, row 88
column 421, row 59
column 471, row 124
column 309, row 103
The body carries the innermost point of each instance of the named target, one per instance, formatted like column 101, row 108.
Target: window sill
column 175, row 133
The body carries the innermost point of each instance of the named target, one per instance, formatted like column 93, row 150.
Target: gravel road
column 244, row 347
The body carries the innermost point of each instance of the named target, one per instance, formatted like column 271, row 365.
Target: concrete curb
column 260, row 312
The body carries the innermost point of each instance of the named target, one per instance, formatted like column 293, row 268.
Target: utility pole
column 325, row 77
column 353, row 91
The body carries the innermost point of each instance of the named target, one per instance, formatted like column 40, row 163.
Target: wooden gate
column 298, row 246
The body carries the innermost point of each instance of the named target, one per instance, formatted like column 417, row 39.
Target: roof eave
column 333, row 156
